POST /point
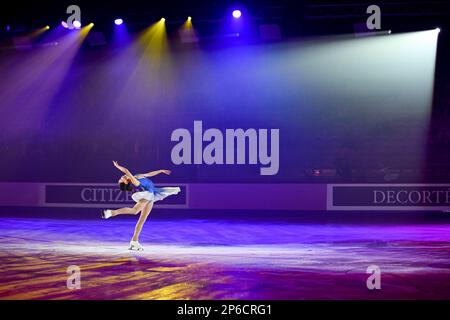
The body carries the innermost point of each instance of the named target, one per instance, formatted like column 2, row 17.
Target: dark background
column 76, row 141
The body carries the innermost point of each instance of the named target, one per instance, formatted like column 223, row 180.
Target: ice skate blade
column 135, row 249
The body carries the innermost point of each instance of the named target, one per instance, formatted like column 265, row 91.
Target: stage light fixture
column 437, row 30
column 118, row 21
column 64, row 24
column 77, row 24
column 163, row 19
column 189, row 19
column 237, row 14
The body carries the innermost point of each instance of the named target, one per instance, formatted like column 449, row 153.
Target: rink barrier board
column 238, row 196
column 388, row 197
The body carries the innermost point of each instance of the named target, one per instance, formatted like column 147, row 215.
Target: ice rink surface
column 222, row 259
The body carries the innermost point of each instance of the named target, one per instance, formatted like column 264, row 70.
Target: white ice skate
column 135, row 245
column 106, row 214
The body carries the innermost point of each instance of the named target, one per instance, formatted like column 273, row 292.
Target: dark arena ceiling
column 296, row 18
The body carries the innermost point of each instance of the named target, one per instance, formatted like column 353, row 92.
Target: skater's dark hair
column 125, row 186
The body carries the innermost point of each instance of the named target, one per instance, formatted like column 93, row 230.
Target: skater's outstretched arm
column 127, row 173
column 153, row 173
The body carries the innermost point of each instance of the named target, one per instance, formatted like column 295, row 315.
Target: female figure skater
column 145, row 194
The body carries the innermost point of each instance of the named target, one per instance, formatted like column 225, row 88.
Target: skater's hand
column 123, row 169
column 168, row 172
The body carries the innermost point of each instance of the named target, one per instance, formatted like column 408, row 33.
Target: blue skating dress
column 147, row 190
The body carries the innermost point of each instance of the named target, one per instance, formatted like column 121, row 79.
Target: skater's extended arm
column 153, row 173
column 127, row 173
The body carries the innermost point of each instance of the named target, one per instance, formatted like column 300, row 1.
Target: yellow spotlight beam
column 38, row 32
column 153, row 71
column 187, row 25
column 187, row 32
column 85, row 30
column 154, row 41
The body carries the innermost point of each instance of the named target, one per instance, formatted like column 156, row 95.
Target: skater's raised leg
column 135, row 210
